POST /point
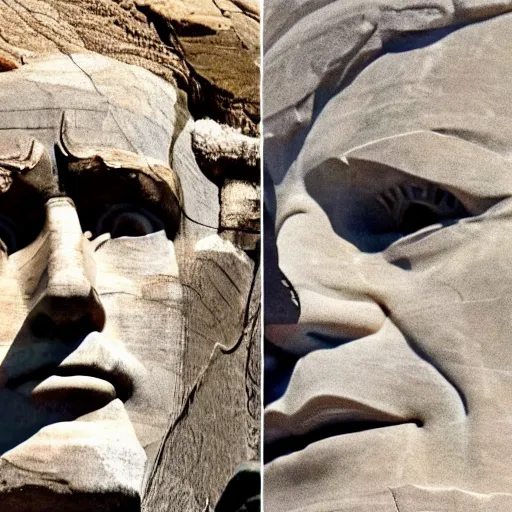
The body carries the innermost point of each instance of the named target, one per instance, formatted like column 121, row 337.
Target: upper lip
column 319, row 418
column 349, row 389
column 345, row 389
column 109, row 365
column 322, row 411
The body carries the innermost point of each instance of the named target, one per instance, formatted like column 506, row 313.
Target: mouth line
column 121, row 383
column 294, row 443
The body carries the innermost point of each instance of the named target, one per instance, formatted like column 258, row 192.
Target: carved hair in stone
column 388, row 290
column 119, row 300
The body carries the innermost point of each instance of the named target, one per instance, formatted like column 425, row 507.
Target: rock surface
column 388, row 142
column 226, row 381
column 122, row 346
column 210, row 52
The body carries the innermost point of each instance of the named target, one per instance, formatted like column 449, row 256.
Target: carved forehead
column 107, row 104
column 434, row 106
column 322, row 43
column 454, row 83
column 96, row 102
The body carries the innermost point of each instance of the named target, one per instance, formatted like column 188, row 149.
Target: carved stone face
column 392, row 391
column 93, row 324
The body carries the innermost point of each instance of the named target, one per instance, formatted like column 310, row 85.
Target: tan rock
column 141, row 33
column 117, row 303
column 195, row 14
column 388, row 141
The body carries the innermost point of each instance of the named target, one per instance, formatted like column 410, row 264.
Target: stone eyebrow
column 115, row 176
column 94, row 160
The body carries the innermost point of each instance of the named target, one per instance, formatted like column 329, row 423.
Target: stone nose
column 68, row 305
column 329, row 317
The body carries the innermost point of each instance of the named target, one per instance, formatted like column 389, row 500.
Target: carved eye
column 413, row 208
column 128, row 220
column 8, row 236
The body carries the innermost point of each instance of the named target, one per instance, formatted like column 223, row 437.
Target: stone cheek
column 95, row 392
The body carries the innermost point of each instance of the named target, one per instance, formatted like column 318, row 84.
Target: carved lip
column 93, row 366
column 54, row 380
column 90, row 392
column 321, row 418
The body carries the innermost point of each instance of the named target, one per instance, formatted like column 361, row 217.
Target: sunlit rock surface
column 209, row 49
column 130, row 345
column 387, row 146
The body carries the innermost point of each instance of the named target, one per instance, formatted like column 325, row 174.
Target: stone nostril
column 76, row 331
column 68, row 318
column 96, row 311
column 42, row 326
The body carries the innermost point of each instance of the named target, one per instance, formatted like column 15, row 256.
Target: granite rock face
column 126, row 311
column 208, row 49
column 387, row 147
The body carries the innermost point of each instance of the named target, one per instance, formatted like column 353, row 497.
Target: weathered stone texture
column 388, row 143
column 132, row 337
column 147, row 34
column 222, row 409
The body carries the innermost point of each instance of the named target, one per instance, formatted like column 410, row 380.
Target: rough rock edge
column 223, row 152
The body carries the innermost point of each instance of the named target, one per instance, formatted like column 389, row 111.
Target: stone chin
column 97, row 456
